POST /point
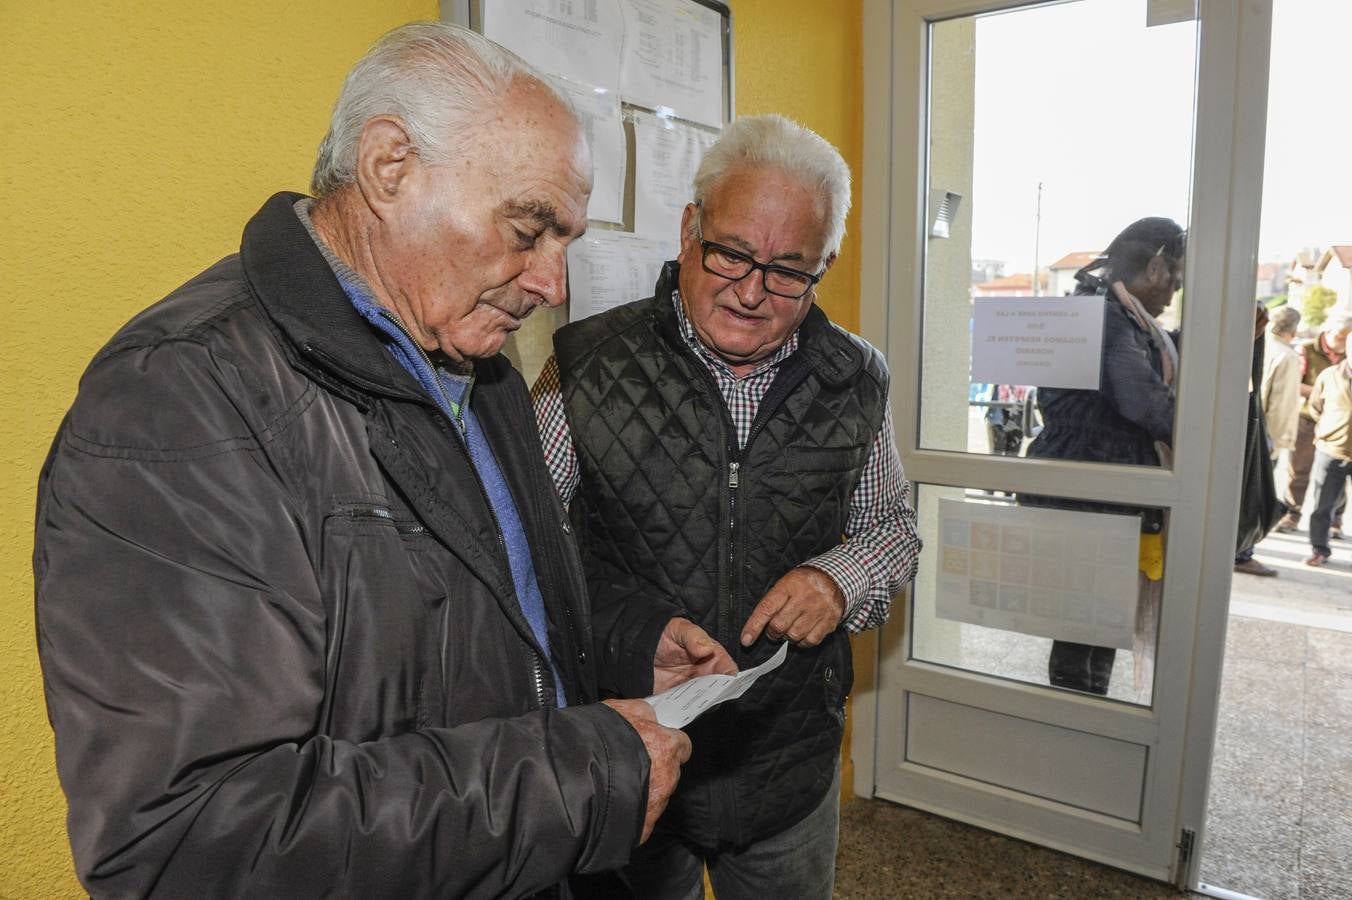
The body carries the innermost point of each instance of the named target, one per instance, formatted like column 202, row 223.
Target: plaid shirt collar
column 715, row 363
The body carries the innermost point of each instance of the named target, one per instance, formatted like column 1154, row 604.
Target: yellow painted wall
column 135, row 140
column 804, row 59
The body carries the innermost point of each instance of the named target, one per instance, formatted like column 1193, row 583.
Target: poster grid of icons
column 1055, row 573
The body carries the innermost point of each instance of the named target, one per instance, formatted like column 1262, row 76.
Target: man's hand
column 668, row 748
column 686, row 651
column 803, row 607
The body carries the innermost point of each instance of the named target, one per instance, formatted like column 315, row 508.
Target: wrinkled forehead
column 764, row 197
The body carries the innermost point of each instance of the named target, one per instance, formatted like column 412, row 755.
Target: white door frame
column 1201, row 491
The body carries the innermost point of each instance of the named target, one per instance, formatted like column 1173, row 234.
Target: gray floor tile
column 1270, row 689
column 1326, row 860
column 1333, row 709
column 1331, row 650
column 1272, row 872
column 1258, row 639
column 1327, row 774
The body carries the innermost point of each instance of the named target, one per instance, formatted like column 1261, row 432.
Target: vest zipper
column 724, row 616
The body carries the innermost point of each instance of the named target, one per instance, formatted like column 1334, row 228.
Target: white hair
column 1284, row 320
column 1339, row 321
column 800, row 152
column 441, row 81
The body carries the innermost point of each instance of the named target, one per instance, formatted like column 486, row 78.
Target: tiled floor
column 1279, row 824
column 1280, row 818
column 890, row 852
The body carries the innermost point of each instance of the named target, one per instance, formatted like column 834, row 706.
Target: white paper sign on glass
column 599, row 111
column 1067, row 575
column 581, row 41
column 610, row 268
column 666, row 156
column 684, row 703
column 1047, row 342
column 673, row 58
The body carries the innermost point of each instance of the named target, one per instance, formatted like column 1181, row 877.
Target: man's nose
column 547, row 274
column 750, row 289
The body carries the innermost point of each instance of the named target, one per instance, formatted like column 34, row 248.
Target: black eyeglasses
column 734, row 265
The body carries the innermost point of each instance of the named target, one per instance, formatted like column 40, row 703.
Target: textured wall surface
column 136, row 140
column 804, row 59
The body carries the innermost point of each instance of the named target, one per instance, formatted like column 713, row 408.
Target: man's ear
column 830, row 261
column 385, row 156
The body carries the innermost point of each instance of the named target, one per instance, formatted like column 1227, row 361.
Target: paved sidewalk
column 1279, row 821
column 1299, row 595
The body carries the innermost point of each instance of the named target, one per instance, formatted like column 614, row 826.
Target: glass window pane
column 1041, row 590
column 1060, row 141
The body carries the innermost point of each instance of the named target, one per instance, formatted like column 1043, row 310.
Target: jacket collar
column 832, row 356
column 301, row 294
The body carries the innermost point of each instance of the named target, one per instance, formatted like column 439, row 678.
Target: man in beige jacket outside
column 1331, row 402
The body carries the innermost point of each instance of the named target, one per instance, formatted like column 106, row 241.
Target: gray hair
column 1339, row 321
column 441, row 81
column 1284, row 320
column 800, row 152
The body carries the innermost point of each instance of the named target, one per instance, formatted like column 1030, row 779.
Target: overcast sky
column 1085, row 99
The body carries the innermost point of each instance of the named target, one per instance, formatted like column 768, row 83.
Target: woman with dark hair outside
column 1128, row 420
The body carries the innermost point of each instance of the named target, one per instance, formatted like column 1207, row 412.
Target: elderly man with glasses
column 728, row 458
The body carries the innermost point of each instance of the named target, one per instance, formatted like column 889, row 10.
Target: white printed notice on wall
column 666, row 155
column 1056, row 573
column 1047, row 342
column 578, row 40
column 673, row 58
column 599, row 111
column 611, row 268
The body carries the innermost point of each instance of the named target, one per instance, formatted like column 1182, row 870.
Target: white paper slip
column 684, row 703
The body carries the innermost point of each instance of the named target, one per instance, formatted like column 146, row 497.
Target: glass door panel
column 1066, row 598
column 1056, row 134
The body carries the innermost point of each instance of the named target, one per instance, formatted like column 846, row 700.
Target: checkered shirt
column 881, row 548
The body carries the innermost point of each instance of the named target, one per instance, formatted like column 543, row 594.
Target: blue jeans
column 799, row 863
column 1327, row 477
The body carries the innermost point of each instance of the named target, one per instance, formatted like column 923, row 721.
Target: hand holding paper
column 668, row 750
column 684, row 703
column 686, row 651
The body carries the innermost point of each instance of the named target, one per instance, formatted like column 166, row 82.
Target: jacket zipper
column 537, row 674
column 371, row 511
column 397, row 322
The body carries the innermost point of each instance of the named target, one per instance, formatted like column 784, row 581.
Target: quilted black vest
column 671, row 515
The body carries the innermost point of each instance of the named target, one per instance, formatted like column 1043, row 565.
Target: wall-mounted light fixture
column 943, row 209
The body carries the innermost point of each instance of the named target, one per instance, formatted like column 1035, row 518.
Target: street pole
column 1037, row 237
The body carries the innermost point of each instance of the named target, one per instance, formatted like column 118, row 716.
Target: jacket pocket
column 837, row 674
column 823, row 459
column 386, row 606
